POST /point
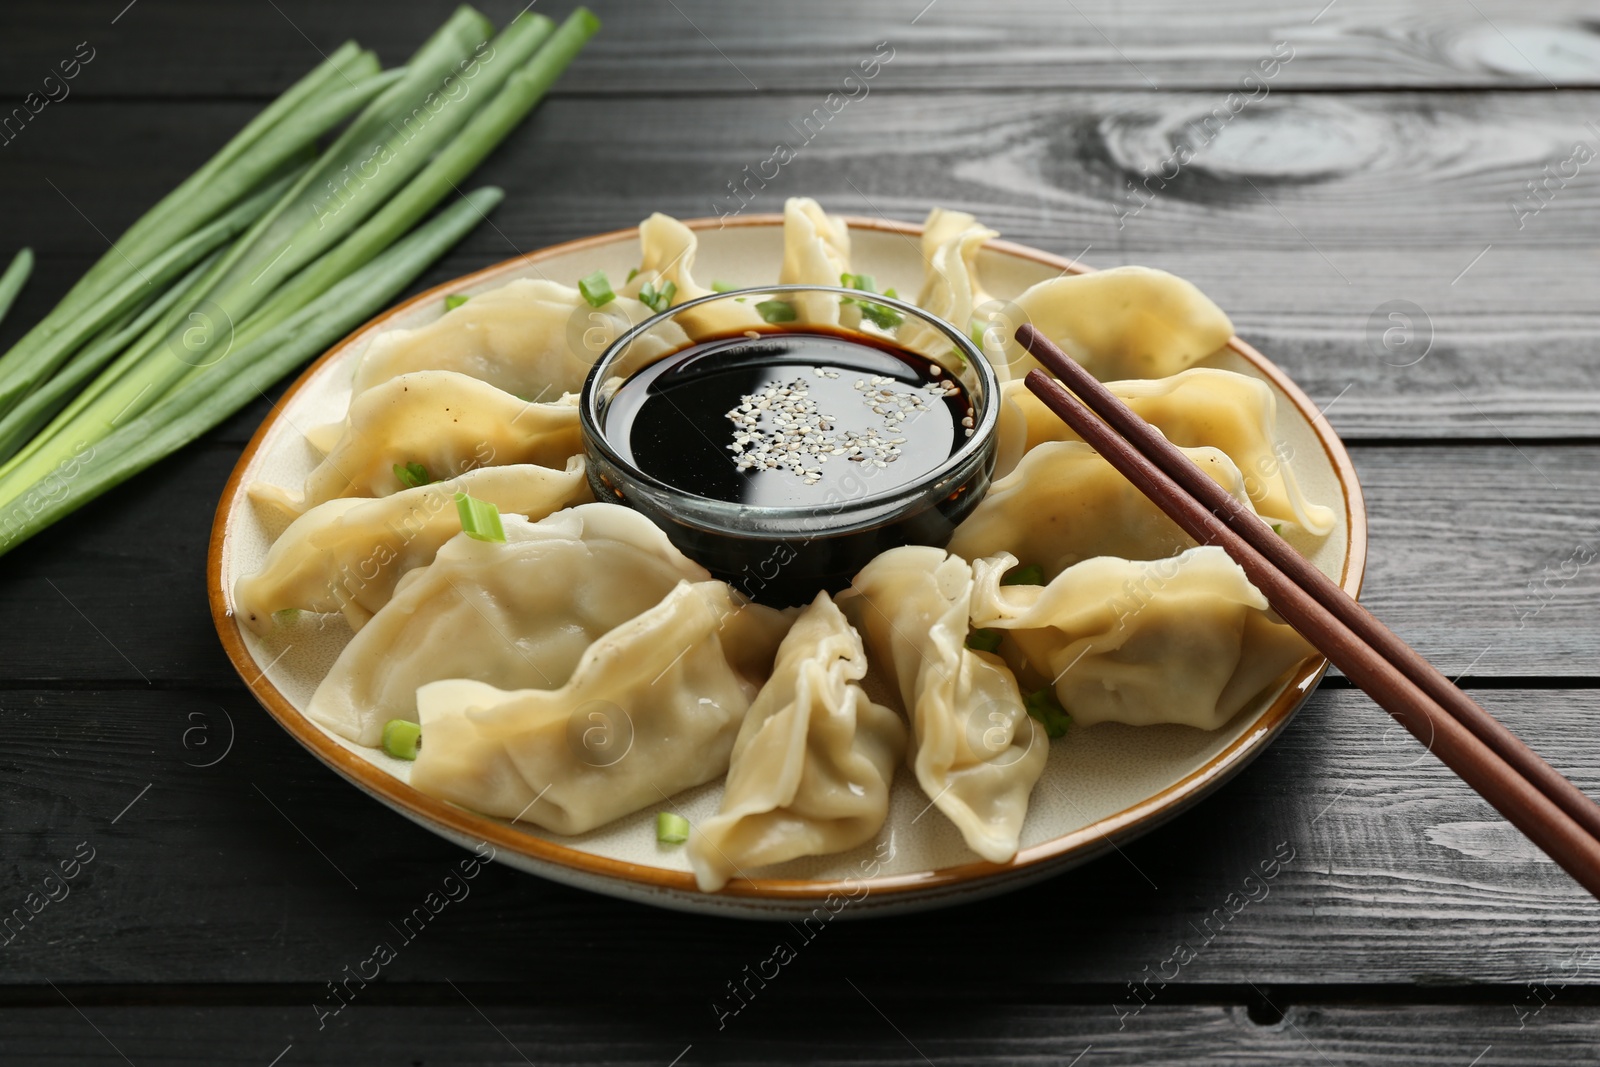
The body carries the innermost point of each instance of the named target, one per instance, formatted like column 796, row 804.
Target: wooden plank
column 699, row 45
column 1482, row 556
column 1302, row 218
column 850, row 1027
column 266, row 868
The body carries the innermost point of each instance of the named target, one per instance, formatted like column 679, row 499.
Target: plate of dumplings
column 578, row 696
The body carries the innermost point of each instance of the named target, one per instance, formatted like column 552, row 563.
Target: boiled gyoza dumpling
column 1126, row 322
column 1185, row 639
column 975, row 751
column 667, row 252
column 816, row 251
column 813, row 760
column 347, row 554
column 445, row 421
column 1064, row 503
column 533, row 338
column 1199, row 407
column 516, row 615
column 651, row 708
column 950, row 287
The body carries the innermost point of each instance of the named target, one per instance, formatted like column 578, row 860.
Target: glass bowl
column 784, row 554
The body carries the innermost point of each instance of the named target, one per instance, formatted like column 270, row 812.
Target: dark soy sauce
column 789, row 419
column 820, row 422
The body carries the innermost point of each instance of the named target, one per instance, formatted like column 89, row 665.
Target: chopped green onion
column 1044, row 706
column 671, row 829
column 776, row 311
column 891, row 294
column 1277, row 527
column 412, row 475
column 455, row 300
column 975, row 331
column 632, row 274
column 1032, row 574
column 658, row 300
column 286, row 616
column 402, row 738
column 596, row 289
column 480, row 520
column 959, row 356
column 984, row 640
column 723, row 287
column 877, row 314
column 15, row 277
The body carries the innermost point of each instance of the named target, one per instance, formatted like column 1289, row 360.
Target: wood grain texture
column 702, row 45
column 1304, row 217
column 849, row 1027
column 266, row 868
column 1411, row 927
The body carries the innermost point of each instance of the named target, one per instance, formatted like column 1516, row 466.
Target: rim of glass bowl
column 985, row 424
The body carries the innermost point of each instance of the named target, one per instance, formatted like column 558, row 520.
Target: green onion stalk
column 228, row 277
column 92, row 467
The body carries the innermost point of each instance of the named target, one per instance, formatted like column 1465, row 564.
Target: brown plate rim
column 1129, row 822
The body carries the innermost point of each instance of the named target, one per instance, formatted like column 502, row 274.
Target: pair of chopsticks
column 1533, row 796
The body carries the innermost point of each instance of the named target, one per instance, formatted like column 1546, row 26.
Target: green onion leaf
column 1032, row 574
column 975, row 331
column 632, row 274
column 15, row 277
column 959, row 356
column 1277, row 527
column 1046, row 708
column 412, row 475
column 723, row 287
column 863, row 282
column 480, row 520
column 455, row 300
column 776, row 311
column 891, row 294
column 984, row 640
column 596, row 289
column 402, row 738
column 671, row 829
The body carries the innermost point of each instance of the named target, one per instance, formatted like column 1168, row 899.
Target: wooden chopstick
column 1546, row 807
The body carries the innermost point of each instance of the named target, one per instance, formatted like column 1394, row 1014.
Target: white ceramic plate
column 1103, row 784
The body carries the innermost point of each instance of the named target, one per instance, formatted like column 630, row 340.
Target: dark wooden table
column 1387, row 157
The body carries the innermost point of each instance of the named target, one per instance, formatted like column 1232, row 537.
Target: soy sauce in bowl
column 783, row 458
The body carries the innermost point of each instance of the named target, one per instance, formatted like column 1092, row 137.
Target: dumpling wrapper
column 517, row 615
column 1184, row 640
column 812, row 762
column 446, row 421
column 349, row 553
column 1199, row 407
column 652, row 708
column 974, row 749
column 667, row 253
column 1064, row 503
column 1126, row 322
column 532, row 338
column 950, row 289
column 816, row 251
